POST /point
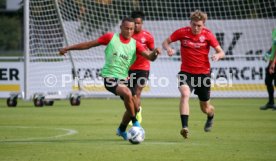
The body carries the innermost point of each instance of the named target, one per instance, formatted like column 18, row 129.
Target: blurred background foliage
column 11, row 21
column 11, row 31
column 10, row 36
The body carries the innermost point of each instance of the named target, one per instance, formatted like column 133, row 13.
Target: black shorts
column 200, row 83
column 111, row 84
column 138, row 78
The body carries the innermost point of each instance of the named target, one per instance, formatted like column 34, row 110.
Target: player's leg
column 185, row 89
column 209, row 110
column 203, row 92
column 270, row 90
column 139, row 80
column 138, row 93
column 123, row 91
column 274, row 78
column 127, row 118
column 184, row 109
column 138, row 100
column 137, row 110
column 136, row 107
column 129, row 101
column 118, row 88
column 142, row 78
column 126, row 94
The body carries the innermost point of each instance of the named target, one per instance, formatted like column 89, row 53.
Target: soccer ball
column 136, row 135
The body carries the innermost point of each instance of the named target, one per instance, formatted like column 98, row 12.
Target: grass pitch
column 87, row 133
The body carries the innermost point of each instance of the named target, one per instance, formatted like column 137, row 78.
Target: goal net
column 243, row 28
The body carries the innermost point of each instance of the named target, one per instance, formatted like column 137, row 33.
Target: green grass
column 241, row 132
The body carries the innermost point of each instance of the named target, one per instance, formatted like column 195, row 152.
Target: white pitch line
column 170, row 143
column 160, row 143
column 68, row 132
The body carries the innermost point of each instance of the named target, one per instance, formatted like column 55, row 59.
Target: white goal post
column 243, row 28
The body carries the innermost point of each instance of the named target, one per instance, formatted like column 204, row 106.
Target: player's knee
column 185, row 92
column 138, row 92
column 127, row 95
column 185, row 96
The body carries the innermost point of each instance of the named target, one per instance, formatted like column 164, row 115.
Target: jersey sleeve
column 139, row 47
column 213, row 40
column 105, row 39
column 176, row 35
column 150, row 43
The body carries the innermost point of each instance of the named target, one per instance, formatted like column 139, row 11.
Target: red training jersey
column 105, row 39
column 195, row 49
column 146, row 39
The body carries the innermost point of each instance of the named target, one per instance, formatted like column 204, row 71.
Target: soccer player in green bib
column 270, row 75
column 120, row 54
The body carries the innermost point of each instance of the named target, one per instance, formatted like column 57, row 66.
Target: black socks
column 184, row 120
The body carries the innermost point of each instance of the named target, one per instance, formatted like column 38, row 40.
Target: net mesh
column 243, row 29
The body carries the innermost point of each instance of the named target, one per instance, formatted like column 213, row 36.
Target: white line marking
column 160, row 143
column 170, row 143
column 68, row 132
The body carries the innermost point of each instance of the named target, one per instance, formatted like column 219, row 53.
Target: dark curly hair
column 138, row 14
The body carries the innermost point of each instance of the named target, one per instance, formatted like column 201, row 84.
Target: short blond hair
column 198, row 16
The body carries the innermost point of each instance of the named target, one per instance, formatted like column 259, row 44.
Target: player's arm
column 151, row 55
column 272, row 64
column 219, row 53
column 150, row 43
column 148, row 54
column 103, row 40
column 175, row 36
column 80, row 46
column 166, row 46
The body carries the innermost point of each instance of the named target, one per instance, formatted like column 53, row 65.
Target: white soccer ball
column 136, row 135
